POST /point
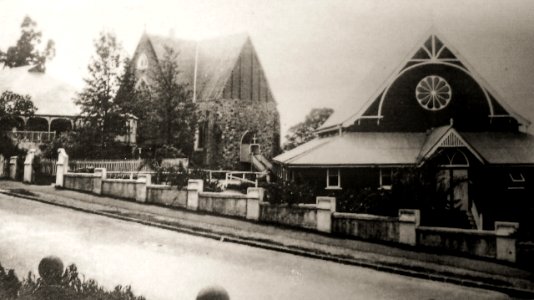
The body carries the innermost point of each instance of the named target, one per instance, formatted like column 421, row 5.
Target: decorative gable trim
column 450, row 139
column 432, row 50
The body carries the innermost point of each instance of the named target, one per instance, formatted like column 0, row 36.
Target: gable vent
column 452, row 140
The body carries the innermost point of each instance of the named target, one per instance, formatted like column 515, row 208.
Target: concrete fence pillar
column 141, row 187
column 325, row 207
column 62, row 166
column 255, row 197
column 194, row 186
column 409, row 220
column 13, row 167
column 97, row 181
column 2, row 166
column 28, row 176
column 506, row 240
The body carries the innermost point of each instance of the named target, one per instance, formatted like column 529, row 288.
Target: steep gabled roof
column 50, row 95
column 216, row 59
column 433, row 48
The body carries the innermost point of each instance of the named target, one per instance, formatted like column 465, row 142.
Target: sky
column 315, row 53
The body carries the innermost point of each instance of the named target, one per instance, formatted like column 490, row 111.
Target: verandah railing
column 32, row 136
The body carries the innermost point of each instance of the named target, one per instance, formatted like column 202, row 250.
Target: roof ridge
column 212, row 38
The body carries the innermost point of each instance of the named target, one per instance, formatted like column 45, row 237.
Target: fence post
column 255, row 197
column 2, row 166
column 194, row 186
column 408, row 222
column 100, row 175
column 325, row 207
column 62, row 166
column 506, row 241
column 143, row 181
column 13, row 167
column 28, row 167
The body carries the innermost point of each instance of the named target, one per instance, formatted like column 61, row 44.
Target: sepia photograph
column 266, row 149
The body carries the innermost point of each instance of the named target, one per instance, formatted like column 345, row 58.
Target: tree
column 134, row 100
column 304, row 131
column 102, row 118
column 12, row 105
column 165, row 110
column 25, row 52
column 174, row 113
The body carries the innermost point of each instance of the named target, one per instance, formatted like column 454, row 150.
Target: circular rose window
column 433, row 93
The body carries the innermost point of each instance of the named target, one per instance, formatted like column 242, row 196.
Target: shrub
column 71, row 287
column 367, row 201
column 289, row 193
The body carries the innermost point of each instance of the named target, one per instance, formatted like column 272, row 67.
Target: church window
column 200, row 136
column 433, row 93
column 142, row 62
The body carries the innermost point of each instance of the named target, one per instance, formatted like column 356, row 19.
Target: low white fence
column 127, row 165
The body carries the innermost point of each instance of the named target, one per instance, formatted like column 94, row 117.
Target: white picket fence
column 127, row 165
column 48, row 166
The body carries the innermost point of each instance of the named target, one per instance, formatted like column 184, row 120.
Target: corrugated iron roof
column 502, row 147
column 302, row 149
column 358, row 148
column 383, row 148
column 50, row 95
column 216, row 60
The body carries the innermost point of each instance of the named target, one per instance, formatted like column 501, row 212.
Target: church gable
column 144, row 61
column 432, row 87
column 247, row 80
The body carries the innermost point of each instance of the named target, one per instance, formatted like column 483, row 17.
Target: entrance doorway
column 453, row 177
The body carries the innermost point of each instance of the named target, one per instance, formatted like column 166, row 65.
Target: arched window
column 142, row 62
column 453, row 158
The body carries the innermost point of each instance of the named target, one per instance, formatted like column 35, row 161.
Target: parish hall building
column 434, row 109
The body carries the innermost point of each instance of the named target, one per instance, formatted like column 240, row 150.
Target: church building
column 239, row 124
column 434, row 109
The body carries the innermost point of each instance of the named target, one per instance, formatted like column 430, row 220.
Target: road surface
column 162, row 264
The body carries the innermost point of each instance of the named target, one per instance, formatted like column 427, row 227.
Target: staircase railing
column 477, row 217
column 241, row 176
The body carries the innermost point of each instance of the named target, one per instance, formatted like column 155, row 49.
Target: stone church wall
column 227, row 121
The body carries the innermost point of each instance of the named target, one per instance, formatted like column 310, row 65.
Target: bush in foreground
column 69, row 286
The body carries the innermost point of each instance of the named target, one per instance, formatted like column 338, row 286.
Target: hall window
column 517, row 181
column 385, row 181
column 333, row 178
